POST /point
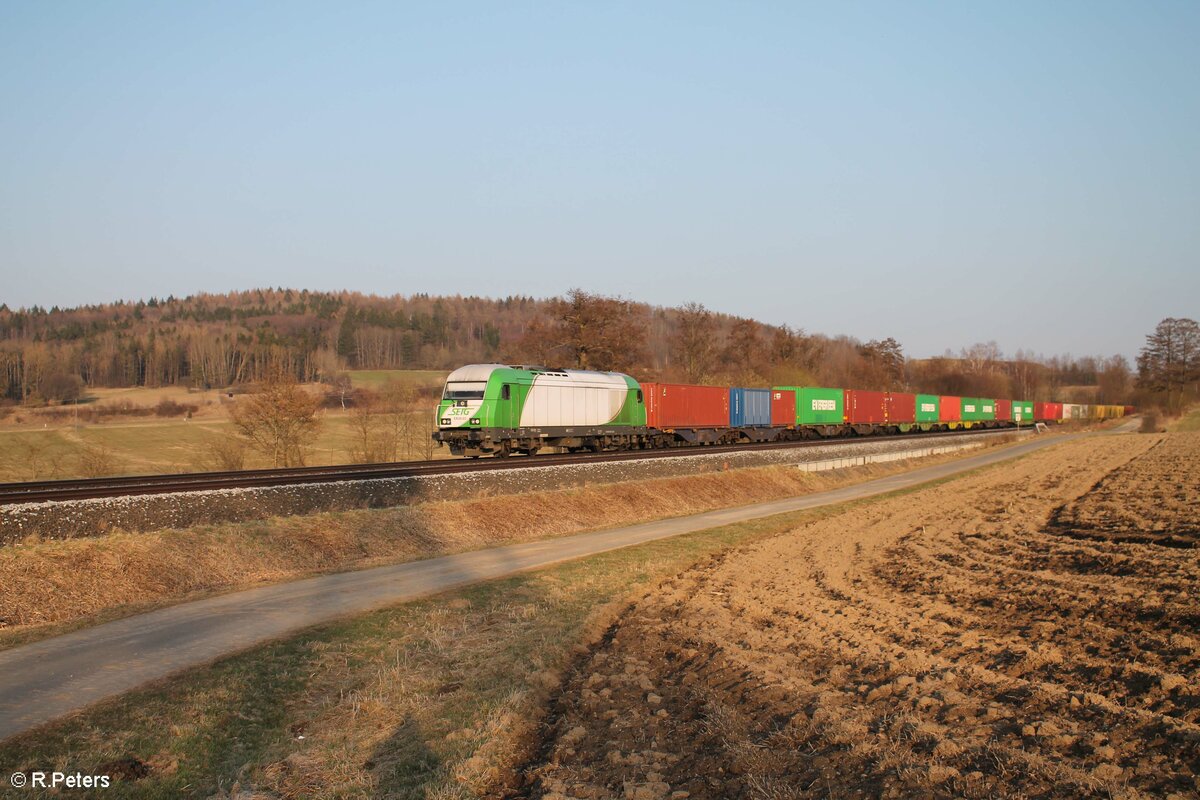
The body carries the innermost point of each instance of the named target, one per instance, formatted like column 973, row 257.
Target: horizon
column 1025, row 175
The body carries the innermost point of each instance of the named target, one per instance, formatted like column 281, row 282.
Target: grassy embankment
column 49, row 586
column 1190, row 421
column 436, row 698
column 41, row 444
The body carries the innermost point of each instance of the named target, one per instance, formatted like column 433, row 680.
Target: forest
column 220, row 340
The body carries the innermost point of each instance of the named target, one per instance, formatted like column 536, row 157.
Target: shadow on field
column 403, row 766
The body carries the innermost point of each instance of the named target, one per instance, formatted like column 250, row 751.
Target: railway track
column 134, row 485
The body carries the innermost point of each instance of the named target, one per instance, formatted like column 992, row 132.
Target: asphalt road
column 43, row 681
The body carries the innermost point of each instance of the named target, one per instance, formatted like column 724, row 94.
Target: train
column 500, row 410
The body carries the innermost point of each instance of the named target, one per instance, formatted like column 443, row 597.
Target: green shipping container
column 927, row 408
column 978, row 409
column 816, row 406
column 1022, row 411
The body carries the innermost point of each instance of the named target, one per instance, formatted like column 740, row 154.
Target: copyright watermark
column 36, row 779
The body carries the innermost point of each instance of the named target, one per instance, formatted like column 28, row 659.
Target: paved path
column 45, row 680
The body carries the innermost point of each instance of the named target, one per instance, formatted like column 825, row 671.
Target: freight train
column 494, row 409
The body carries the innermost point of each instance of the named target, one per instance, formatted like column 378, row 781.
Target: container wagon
column 927, row 410
column 865, row 409
column 819, row 408
column 749, row 408
column 783, row 407
column 950, row 411
column 694, row 414
column 901, row 409
column 976, row 410
column 1047, row 412
column 750, row 415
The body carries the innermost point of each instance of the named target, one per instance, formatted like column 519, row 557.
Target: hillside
column 218, row 340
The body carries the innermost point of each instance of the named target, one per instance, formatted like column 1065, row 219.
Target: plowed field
column 948, row 642
column 1154, row 498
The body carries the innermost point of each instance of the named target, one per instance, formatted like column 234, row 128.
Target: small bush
column 170, row 408
column 224, row 454
column 96, row 461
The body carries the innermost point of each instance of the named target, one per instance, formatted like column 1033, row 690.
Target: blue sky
column 943, row 173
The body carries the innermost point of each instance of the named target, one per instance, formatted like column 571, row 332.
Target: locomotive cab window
column 464, row 390
column 639, row 395
column 506, row 391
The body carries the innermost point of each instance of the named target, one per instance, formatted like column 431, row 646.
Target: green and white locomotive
column 497, row 409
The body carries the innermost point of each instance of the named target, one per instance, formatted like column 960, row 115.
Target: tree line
column 218, row 340
column 1169, row 365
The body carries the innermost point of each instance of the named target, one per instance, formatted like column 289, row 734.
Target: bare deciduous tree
column 278, row 421
column 1114, row 381
column 887, row 358
column 591, row 331
column 693, row 344
column 372, row 440
column 1169, row 363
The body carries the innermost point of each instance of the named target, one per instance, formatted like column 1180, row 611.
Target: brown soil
column 941, row 644
column 1154, row 498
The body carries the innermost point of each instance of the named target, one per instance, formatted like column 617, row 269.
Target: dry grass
column 1190, row 421
column 46, row 586
column 159, row 446
column 46, row 443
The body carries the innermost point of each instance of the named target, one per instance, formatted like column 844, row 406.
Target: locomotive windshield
column 464, row 390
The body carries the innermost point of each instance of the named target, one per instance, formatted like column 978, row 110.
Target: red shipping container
column 680, row 405
column 1004, row 410
column 901, row 408
column 949, row 409
column 783, row 407
column 1130, row 410
column 1047, row 411
column 863, row 408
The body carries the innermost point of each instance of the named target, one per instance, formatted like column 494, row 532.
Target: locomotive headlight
column 446, row 421
column 474, row 420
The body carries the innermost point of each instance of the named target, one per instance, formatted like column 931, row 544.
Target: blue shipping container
column 749, row 408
